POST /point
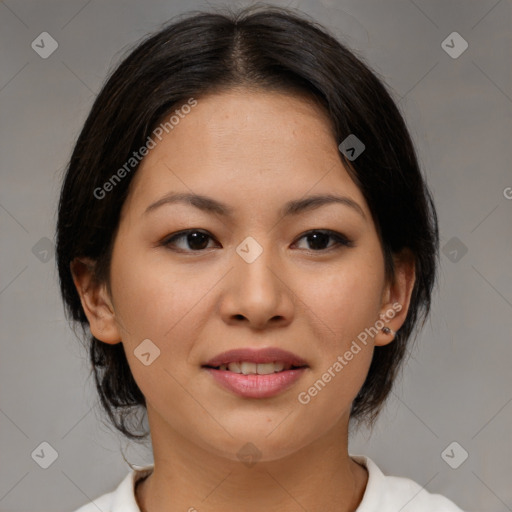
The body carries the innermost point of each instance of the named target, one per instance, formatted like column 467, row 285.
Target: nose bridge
column 255, row 267
column 256, row 290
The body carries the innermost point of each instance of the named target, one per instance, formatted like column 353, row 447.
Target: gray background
column 457, row 385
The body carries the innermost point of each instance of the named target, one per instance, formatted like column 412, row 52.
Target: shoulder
column 122, row 499
column 390, row 493
column 103, row 503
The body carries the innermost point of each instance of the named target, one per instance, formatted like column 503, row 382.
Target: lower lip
column 256, row 386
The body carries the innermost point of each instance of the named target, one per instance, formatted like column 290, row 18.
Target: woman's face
column 261, row 274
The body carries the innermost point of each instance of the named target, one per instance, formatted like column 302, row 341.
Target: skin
column 253, row 151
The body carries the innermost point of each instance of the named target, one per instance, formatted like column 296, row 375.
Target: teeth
column 247, row 368
column 234, row 367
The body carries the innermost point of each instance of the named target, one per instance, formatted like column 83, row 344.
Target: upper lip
column 261, row 355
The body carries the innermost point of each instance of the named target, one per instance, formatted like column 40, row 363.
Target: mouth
column 261, row 361
column 260, row 373
column 250, row 368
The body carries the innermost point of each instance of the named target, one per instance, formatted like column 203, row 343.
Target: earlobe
column 396, row 298
column 95, row 300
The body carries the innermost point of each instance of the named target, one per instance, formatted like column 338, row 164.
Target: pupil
column 197, row 240
column 318, row 240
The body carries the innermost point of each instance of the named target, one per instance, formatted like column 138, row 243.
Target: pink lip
column 262, row 355
column 256, row 386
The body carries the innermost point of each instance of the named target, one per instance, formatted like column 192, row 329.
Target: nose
column 258, row 294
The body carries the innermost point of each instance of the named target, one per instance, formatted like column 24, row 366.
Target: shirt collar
column 124, row 496
column 374, row 487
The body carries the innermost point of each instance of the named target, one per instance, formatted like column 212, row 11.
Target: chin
column 259, row 443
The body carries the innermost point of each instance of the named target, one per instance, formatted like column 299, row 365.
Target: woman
column 217, row 157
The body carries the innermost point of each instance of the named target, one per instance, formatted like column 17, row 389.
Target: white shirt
column 383, row 494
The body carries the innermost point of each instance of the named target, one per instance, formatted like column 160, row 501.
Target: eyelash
column 340, row 240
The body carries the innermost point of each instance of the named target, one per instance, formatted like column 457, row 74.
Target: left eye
column 198, row 240
column 319, row 238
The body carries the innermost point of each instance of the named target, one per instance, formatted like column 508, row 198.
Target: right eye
column 195, row 239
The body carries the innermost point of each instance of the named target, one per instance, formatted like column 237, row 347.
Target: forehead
column 245, row 144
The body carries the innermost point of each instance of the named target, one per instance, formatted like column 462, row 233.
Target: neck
column 186, row 477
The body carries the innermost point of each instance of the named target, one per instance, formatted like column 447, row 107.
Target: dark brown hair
column 265, row 48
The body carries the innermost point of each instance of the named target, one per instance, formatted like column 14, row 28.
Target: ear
column 396, row 297
column 95, row 300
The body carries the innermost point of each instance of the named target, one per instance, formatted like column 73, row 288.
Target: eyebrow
column 293, row 207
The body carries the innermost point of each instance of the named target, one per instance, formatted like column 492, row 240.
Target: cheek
column 162, row 303
column 348, row 301
column 152, row 298
column 156, row 304
column 343, row 360
column 347, row 298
